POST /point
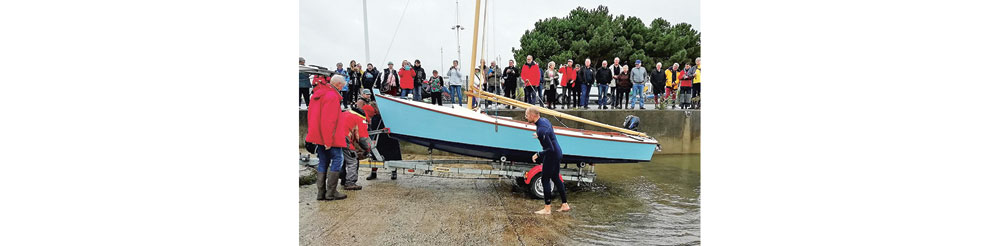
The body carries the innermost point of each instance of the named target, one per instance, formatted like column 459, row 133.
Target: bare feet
column 564, row 208
column 546, row 210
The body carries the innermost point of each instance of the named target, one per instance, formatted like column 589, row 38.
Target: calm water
column 653, row 203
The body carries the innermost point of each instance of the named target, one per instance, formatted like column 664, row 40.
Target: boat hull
column 462, row 131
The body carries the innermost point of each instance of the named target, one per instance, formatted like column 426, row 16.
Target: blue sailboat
column 467, row 132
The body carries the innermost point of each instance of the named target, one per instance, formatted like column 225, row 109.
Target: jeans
column 637, row 95
column 456, row 92
column 403, row 93
column 529, row 94
column 538, row 90
column 417, row 92
column 584, row 95
column 602, row 90
column 331, row 158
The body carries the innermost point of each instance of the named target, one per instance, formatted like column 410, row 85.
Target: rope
column 395, row 32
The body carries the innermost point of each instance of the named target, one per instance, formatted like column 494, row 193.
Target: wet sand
column 647, row 204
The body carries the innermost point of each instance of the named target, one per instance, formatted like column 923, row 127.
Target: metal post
column 364, row 6
column 458, row 28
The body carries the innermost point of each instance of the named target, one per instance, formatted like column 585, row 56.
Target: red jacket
column 323, row 114
column 348, row 120
column 369, row 112
column 530, row 74
column 568, row 73
column 320, row 80
column 406, row 78
column 684, row 83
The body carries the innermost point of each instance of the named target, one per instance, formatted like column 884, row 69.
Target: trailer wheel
column 535, row 188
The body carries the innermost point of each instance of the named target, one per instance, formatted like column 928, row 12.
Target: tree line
column 596, row 34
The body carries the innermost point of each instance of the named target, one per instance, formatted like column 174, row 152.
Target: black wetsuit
column 551, row 156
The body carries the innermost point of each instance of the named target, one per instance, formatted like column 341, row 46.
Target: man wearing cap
column 638, row 78
column 303, row 83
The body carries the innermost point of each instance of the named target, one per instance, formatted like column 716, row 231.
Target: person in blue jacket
column 551, row 156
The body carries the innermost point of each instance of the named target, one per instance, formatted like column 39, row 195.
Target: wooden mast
column 472, row 69
column 473, row 91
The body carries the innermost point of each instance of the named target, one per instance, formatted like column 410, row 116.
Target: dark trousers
column 574, row 96
column 622, row 96
column 529, row 94
column 566, row 93
column 696, row 90
column 346, row 97
column 304, row 94
column 491, row 89
column 352, row 93
column 510, row 90
column 550, row 172
column 436, row 98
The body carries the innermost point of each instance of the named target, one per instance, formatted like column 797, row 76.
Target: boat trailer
column 525, row 175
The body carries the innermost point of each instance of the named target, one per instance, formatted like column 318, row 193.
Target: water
column 653, row 203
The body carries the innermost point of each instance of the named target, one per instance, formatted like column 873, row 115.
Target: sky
column 333, row 31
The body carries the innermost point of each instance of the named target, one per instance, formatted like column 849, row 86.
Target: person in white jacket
column 455, row 83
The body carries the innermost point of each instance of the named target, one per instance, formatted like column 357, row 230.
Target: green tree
column 596, row 34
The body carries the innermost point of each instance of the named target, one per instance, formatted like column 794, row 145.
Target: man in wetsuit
column 551, row 156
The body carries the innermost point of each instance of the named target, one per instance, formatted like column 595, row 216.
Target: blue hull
column 494, row 153
column 465, row 132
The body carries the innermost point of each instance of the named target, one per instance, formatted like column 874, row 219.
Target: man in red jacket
column 323, row 119
column 530, row 74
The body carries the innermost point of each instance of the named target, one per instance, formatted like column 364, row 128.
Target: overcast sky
column 333, row 31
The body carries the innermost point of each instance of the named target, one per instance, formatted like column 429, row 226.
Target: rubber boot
column 372, row 176
column 321, row 186
column 352, row 187
column 331, row 189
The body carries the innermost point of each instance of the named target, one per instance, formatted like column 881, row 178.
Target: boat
column 467, row 132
